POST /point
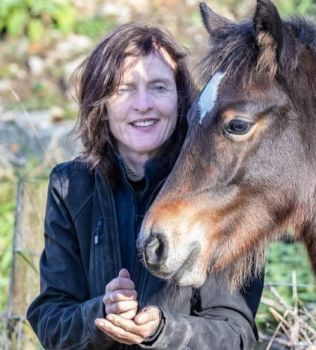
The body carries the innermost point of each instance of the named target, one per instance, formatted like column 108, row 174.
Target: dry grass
column 296, row 322
column 16, row 334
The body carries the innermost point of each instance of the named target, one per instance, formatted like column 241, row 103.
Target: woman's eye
column 123, row 90
column 159, row 88
column 238, row 126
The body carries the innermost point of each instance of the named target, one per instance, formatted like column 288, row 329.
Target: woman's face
column 142, row 112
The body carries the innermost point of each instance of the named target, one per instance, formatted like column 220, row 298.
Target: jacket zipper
column 97, row 268
column 116, row 242
column 98, row 231
column 114, row 236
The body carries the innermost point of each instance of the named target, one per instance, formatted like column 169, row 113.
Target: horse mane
column 305, row 31
column 234, row 49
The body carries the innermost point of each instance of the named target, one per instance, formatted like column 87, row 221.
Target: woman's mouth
column 144, row 123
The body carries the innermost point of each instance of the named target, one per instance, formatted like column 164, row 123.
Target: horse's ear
column 268, row 28
column 211, row 20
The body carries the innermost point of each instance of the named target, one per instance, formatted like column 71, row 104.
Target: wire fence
column 27, row 244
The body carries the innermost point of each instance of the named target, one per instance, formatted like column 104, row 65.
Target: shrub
column 34, row 17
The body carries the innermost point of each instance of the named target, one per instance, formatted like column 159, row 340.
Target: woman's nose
column 143, row 100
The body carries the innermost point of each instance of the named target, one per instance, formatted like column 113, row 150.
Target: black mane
column 305, row 31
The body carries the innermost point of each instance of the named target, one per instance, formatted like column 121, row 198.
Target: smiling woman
column 142, row 112
column 134, row 92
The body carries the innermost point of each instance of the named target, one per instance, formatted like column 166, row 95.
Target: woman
column 134, row 93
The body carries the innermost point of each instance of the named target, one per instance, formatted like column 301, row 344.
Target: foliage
column 285, row 258
column 284, row 261
column 94, row 27
column 239, row 8
column 34, row 18
column 290, row 7
column 7, row 206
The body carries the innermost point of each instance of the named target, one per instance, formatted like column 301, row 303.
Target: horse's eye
column 238, row 126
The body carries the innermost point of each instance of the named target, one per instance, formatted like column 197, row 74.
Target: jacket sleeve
column 62, row 315
column 219, row 320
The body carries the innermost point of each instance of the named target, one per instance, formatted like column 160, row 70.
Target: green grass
column 7, row 207
column 286, row 260
column 283, row 260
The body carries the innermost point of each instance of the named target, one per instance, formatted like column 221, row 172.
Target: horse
column 246, row 172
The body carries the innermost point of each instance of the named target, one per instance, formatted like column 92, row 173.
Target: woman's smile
column 144, row 123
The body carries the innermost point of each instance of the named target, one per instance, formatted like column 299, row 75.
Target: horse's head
column 245, row 170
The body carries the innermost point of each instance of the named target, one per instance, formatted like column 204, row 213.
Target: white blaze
column 209, row 95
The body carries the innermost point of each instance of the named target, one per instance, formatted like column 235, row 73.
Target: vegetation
column 35, row 17
column 94, row 29
column 7, row 206
column 303, row 7
column 289, row 282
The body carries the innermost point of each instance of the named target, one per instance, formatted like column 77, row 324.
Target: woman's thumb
column 124, row 273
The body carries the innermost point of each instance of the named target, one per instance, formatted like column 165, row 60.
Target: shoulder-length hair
column 101, row 73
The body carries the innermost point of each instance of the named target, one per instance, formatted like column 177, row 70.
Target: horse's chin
column 182, row 277
column 189, row 280
column 190, row 273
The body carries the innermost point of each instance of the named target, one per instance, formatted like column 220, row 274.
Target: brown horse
column 247, row 169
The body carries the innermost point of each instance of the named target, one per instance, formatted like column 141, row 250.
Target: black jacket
column 82, row 254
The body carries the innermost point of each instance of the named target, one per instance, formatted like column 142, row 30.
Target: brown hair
column 101, row 73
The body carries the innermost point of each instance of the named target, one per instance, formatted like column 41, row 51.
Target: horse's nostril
column 156, row 249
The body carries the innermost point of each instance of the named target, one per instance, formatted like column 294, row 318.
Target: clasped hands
column 123, row 322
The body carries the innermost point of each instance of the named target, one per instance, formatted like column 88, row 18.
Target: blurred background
column 41, row 43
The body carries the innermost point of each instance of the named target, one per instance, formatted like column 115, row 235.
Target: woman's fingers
column 119, row 283
column 121, row 301
column 129, row 314
column 121, row 307
column 144, row 330
column 126, row 330
column 148, row 314
column 120, row 295
column 117, row 333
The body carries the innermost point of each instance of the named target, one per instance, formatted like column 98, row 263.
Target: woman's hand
column 128, row 331
column 120, row 296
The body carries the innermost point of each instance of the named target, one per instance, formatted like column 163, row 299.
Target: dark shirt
column 132, row 199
